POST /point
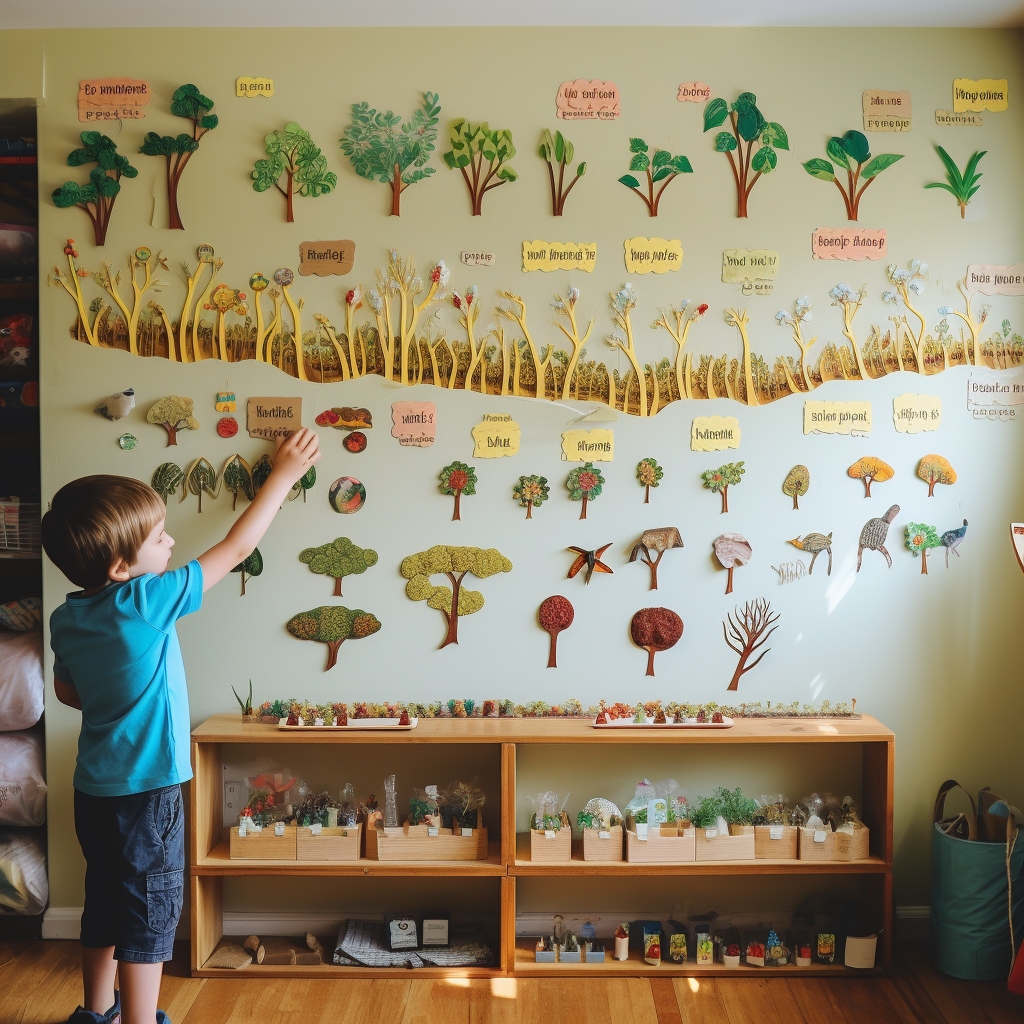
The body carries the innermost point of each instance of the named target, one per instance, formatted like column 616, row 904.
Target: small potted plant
column 803, row 956
column 245, row 705
column 550, row 830
column 755, row 954
column 622, row 941
column 731, row 955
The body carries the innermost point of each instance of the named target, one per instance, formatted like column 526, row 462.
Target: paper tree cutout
column 554, row 615
column 870, row 469
column 660, row 540
column 187, row 102
column 732, row 549
column 721, row 479
column 237, row 476
column 98, row 195
column 951, row 540
column 748, row 127
column 455, row 563
column 292, row 154
column 531, row 492
column 557, row 152
column 252, row 566
column 338, row 559
column 661, row 167
column 814, row 544
column 748, row 634
column 852, row 154
column 261, row 471
column 796, row 483
column 303, row 484
column 165, row 480
column 382, row 151
column 872, row 537
column 920, row 539
column 457, row 479
column 345, row 417
column 591, row 560
column 655, row 629
column 584, row 484
column 934, row 469
column 333, row 625
column 960, row 186
column 199, row 476
column 649, row 473
column 173, row 413
column 481, row 155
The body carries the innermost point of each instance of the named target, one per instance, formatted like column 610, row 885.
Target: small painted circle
column 204, row 253
column 127, row 442
column 347, row 494
column 258, row 282
column 355, row 442
column 227, row 427
column 142, row 254
column 284, row 277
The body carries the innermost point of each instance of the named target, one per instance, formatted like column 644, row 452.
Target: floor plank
column 699, row 1001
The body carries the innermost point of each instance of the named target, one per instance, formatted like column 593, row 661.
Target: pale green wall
column 933, row 657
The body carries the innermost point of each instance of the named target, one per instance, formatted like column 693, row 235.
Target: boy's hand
column 294, row 455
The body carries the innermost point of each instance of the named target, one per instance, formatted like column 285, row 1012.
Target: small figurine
column 118, row 405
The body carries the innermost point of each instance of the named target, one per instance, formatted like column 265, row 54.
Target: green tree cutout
column 557, row 151
column 261, row 471
column 481, row 155
column 960, row 186
column 291, row 153
column 920, row 539
column 585, row 483
column 455, row 563
column 98, row 195
column 199, row 477
column 252, row 566
column 187, row 102
column 333, row 625
column 457, row 479
column 531, row 492
column 397, row 158
column 718, row 481
column 649, row 473
column 661, row 167
column 339, row 558
column 166, row 478
column 303, row 484
column 748, row 127
column 237, row 476
column 851, row 153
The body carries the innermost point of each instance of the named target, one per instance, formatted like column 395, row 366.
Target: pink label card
column 582, row 101
column 848, row 244
column 415, row 423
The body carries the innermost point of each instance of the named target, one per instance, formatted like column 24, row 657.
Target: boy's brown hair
column 95, row 520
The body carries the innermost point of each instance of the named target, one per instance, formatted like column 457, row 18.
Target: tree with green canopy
column 303, row 484
column 382, row 149
column 852, row 154
column 251, row 566
column 649, row 473
column 531, row 492
column 457, row 479
column 291, row 153
column 173, row 413
column 262, row 470
column 557, row 151
column 97, row 196
column 796, row 483
column 585, row 484
column 237, row 476
column 721, row 479
column 339, row 558
column 455, row 563
column 200, row 476
column 661, row 167
column 920, row 538
column 187, row 102
column 166, row 478
column 960, row 186
column 333, row 625
column 472, row 145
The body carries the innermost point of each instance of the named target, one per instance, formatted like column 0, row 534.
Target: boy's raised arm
column 292, row 460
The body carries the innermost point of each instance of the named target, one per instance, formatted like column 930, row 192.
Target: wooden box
column 597, row 849
column 412, row 843
column 553, row 849
column 775, row 842
column 664, row 845
column 332, row 844
column 712, row 845
column 263, row 845
column 834, row 845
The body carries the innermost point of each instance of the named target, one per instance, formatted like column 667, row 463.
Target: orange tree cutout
column 934, row 469
column 457, row 479
column 870, row 469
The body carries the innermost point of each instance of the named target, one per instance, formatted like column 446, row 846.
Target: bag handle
column 940, row 800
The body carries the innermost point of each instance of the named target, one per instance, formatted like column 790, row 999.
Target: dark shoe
column 84, row 1016
column 162, row 1018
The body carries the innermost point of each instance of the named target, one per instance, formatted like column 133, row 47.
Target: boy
column 117, row 659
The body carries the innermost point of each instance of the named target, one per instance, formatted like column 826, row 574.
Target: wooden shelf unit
column 509, row 857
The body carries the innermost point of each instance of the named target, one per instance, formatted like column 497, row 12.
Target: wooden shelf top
column 229, row 728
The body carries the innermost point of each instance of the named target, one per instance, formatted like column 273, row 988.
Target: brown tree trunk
column 867, row 487
column 931, row 487
column 172, row 434
column 650, row 661
column 654, row 570
column 735, row 684
column 647, row 494
column 396, row 193
column 333, row 647
column 924, row 561
column 172, row 200
column 529, row 509
column 337, row 585
column 452, row 636
column 200, row 499
column 795, row 503
column 583, row 511
column 290, row 196
column 234, row 500
column 728, row 587
column 725, row 498
column 455, row 514
column 551, row 651
column 243, row 583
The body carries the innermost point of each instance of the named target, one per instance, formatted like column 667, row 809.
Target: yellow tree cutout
column 934, row 469
column 70, row 284
column 904, row 283
column 678, row 332
column 738, row 318
column 622, row 304
column 468, row 313
column 567, row 308
column 972, row 325
column 284, row 277
column 517, row 314
column 142, row 259
column 871, row 470
column 225, row 300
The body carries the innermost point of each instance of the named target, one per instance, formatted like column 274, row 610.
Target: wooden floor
column 40, row 984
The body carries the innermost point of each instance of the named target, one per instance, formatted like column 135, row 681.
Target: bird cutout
column 951, row 540
column 872, row 537
column 661, row 540
column 118, row 405
column 814, row 544
column 590, row 559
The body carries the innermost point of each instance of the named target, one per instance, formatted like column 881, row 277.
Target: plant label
column 538, row 255
column 852, row 418
column 913, row 413
column 604, row 835
column 753, row 269
column 950, row 117
column 225, row 401
column 984, row 94
column 415, row 423
column 886, row 111
column 652, row 255
column 254, row 86
column 993, row 279
column 714, row 433
column 477, row 259
column 588, row 446
column 992, row 394
column 694, row 92
column 326, row 258
column 848, row 244
column 820, row 835
column 495, row 437
column 112, row 99
column 587, row 101
column 270, row 418
column 775, row 831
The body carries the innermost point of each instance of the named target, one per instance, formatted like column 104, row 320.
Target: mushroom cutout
column 934, row 469
column 554, row 615
column 870, row 469
column 796, row 483
column 655, row 629
column 732, row 549
column 661, row 540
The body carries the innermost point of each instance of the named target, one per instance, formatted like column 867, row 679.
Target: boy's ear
column 118, row 571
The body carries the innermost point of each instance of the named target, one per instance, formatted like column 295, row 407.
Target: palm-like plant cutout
column 960, row 186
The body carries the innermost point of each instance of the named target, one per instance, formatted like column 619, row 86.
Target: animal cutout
column 814, row 544
column 872, row 537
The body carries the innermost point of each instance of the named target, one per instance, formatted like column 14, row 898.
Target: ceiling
column 323, row 13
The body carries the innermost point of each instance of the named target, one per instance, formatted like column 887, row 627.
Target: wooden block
column 834, row 846
column 775, row 842
column 718, row 847
column 604, row 850
column 553, row 849
column 332, row 844
column 662, row 846
column 232, row 957
column 263, row 845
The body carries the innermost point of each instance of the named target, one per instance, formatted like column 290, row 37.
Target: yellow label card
column 538, row 255
column 588, row 446
column 496, row 436
column 714, row 433
column 984, row 94
column 653, row 255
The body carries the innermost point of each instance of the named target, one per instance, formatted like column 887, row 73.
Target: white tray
column 353, row 725
column 689, row 723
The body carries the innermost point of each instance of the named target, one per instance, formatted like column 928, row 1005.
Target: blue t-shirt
column 120, row 651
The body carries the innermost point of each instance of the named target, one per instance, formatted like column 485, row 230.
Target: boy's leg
column 98, row 971
column 140, row 991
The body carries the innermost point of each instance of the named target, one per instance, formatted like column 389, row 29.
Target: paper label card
column 653, row 255
column 886, row 111
column 837, row 418
column 587, row 101
column 254, row 86
column 694, row 92
column 271, row 418
column 477, row 259
column 983, row 94
column 992, row 394
column 994, row 279
column 496, row 436
column 913, row 413
column 415, row 423
column 112, row 99
column 588, row 446
column 714, row 433
column 326, row 258
column 738, row 264
column 538, row 255
column 951, row 117
column 848, row 244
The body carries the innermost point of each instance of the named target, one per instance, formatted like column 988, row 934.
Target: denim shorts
column 134, row 850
